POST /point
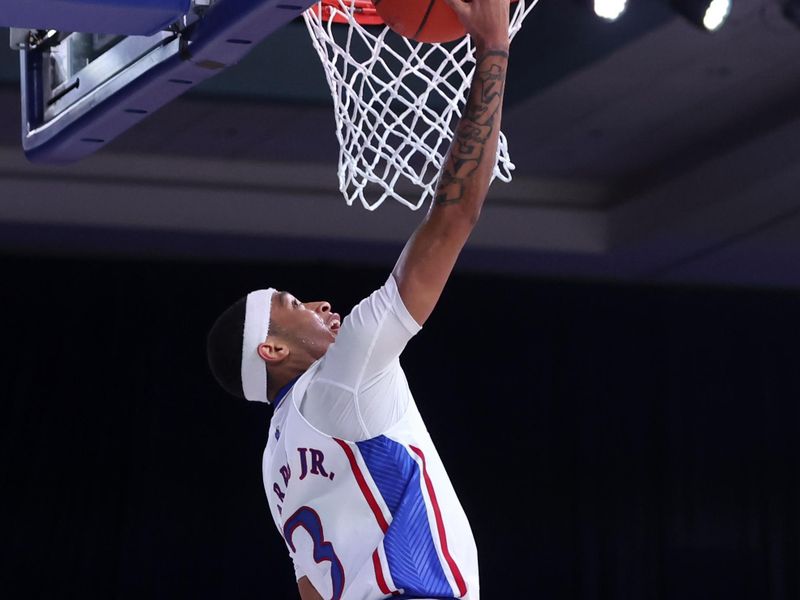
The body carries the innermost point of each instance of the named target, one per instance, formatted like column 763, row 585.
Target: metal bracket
column 20, row 39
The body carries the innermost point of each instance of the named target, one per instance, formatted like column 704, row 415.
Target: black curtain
column 606, row 441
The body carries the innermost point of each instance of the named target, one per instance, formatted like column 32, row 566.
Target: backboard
column 91, row 70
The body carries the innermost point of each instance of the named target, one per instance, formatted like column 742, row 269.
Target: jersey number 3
column 308, row 519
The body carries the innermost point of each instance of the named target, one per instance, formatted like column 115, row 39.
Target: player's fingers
column 460, row 7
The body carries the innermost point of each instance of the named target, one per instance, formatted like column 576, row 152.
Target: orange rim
column 364, row 11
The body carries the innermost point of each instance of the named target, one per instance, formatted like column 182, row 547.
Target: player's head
column 268, row 337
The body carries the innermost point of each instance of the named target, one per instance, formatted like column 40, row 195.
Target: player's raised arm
column 429, row 256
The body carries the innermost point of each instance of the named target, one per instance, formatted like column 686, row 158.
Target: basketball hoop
column 363, row 11
column 396, row 101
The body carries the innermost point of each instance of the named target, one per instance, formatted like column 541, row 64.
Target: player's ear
column 273, row 350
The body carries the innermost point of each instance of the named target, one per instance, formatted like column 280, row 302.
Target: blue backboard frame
column 121, row 17
column 137, row 76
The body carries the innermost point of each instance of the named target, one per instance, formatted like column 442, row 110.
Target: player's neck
column 278, row 379
column 289, row 368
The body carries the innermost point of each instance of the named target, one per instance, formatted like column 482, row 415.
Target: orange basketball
column 431, row 21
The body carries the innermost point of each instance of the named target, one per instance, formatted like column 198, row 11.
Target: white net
column 396, row 103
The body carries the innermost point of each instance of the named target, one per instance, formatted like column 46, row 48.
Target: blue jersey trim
column 413, row 561
column 283, row 391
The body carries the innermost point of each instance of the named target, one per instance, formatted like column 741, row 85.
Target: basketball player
column 353, row 481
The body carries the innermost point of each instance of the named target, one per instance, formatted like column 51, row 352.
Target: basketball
column 431, row 21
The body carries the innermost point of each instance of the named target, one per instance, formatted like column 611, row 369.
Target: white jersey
column 353, row 480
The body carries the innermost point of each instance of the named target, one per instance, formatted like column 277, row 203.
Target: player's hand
column 485, row 20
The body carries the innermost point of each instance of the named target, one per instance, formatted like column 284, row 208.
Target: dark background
column 606, row 440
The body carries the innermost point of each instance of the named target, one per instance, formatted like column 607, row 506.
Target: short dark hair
column 224, row 348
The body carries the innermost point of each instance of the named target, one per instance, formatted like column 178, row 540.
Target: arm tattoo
column 476, row 129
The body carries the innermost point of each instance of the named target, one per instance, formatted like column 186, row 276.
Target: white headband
column 256, row 327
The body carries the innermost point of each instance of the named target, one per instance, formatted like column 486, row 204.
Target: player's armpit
column 307, row 591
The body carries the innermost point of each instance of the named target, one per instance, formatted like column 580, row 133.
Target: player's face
column 311, row 324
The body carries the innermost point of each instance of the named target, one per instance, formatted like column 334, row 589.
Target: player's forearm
column 471, row 159
column 429, row 256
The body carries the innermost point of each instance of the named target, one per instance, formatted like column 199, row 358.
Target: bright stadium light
column 716, row 14
column 610, row 9
column 706, row 14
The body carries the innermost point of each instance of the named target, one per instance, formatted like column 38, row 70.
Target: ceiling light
column 610, row 10
column 706, row 14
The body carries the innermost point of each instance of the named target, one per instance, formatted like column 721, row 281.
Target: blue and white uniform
column 353, row 480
